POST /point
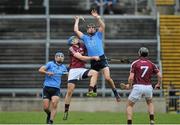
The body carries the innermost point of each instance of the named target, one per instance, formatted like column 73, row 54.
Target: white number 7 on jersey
column 145, row 69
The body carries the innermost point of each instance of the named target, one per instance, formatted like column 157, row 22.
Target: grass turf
column 86, row 118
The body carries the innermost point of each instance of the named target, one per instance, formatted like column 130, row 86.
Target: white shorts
column 76, row 73
column 140, row 91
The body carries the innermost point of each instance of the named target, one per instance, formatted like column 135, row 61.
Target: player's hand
column 125, row 86
column 94, row 13
column 157, row 86
column 82, row 18
column 76, row 18
column 96, row 58
column 50, row 73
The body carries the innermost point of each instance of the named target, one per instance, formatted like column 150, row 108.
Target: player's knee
column 130, row 104
column 69, row 92
column 54, row 104
column 149, row 101
column 46, row 107
column 93, row 73
column 70, row 89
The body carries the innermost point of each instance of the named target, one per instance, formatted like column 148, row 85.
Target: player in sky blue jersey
column 53, row 71
column 94, row 44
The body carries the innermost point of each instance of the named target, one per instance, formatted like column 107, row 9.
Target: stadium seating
column 25, row 49
column 66, row 7
column 32, row 52
column 170, row 46
column 129, row 50
column 165, row 2
column 29, row 53
column 166, row 7
column 63, row 28
column 23, row 29
column 22, row 53
column 18, row 7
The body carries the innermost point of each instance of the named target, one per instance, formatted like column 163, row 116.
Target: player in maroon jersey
column 139, row 80
column 77, row 70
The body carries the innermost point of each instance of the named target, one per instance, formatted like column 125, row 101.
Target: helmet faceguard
column 59, row 57
column 91, row 29
column 70, row 40
column 91, row 25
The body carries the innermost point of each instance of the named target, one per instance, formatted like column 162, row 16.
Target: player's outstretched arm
column 85, row 58
column 99, row 20
column 76, row 27
column 42, row 70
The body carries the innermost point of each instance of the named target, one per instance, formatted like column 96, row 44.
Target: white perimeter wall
column 79, row 104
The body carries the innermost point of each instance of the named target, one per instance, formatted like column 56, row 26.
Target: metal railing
column 177, row 7
column 172, row 100
column 37, row 92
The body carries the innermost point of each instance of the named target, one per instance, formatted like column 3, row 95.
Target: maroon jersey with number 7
column 143, row 70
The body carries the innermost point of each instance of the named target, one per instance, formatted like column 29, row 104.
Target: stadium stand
column 166, row 6
column 165, row 2
column 22, row 53
column 34, row 53
column 23, row 42
column 169, row 36
column 62, row 28
column 21, row 7
column 69, row 6
column 170, row 46
column 128, row 49
column 23, row 29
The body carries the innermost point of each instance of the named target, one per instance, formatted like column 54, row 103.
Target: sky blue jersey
column 58, row 70
column 94, row 44
column 106, row 1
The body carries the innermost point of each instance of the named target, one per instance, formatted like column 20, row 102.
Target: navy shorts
column 48, row 92
column 98, row 65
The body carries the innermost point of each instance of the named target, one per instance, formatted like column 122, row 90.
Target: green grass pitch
column 86, row 118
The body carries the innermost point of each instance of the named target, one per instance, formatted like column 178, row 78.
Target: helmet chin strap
column 59, row 62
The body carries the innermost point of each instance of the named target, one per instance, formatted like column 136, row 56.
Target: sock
column 129, row 122
column 151, row 117
column 115, row 91
column 47, row 111
column 95, row 89
column 48, row 117
column 51, row 121
column 91, row 88
column 66, row 107
column 49, row 114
